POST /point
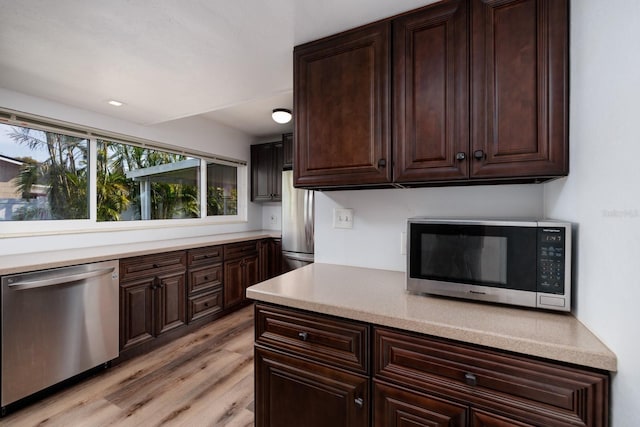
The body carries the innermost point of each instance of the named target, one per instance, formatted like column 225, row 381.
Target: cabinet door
column 275, row 258
column 170, row 301
column 270, row 258
column 294, row 392
column 342, row 98
column 263, row 255
column 431, row 94
column 276, row 172
column 395, row 407
column 266, row 172
column 486, row 419
column 261, row 172
column 136, row 312
column 233, row 283
column 519, row 88
column 251, row 272
column 287, row 147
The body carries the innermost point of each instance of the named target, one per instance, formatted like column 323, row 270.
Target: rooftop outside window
column 136, row 183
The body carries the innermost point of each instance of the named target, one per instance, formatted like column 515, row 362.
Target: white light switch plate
column 342, row 218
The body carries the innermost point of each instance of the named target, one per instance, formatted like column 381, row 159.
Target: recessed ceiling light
column 116, row 103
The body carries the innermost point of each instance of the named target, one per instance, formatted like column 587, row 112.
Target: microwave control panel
column 551, row 259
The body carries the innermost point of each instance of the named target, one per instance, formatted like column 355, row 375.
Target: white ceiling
column 228, row 61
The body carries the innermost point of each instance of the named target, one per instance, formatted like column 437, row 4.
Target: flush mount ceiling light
column 281, row 115
column 115, row 103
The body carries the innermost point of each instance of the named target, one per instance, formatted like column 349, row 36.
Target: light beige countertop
column 20, row 263
column 379, row 297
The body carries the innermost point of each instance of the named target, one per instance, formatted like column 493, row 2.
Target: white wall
column 272, row 216
column 380, row 217
column 193, row 133
column 602, row 193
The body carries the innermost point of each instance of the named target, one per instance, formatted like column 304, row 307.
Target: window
column 222, row 189
column 43, row 175
column 50, row 173
column 136, row 183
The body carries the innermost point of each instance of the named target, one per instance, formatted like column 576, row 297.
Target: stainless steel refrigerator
column 297, row 224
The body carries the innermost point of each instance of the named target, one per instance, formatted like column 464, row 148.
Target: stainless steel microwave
column 523, row 263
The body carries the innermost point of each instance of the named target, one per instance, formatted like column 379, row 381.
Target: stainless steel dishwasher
column 56, row 323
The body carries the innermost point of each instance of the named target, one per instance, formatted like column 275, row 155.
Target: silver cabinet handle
column 470, row 379
column 359, row 402
column 58, row 280
column 303, row 336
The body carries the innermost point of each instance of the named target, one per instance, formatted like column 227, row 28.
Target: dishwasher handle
column 58, row 280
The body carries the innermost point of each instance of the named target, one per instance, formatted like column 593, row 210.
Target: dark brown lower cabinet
column 311, row 370
column 294, row 392
column 315, row 370
column 497, row 388
column 151, row 306
column 270, row 258
column 170, row 301
column 136, row 312
column 239, row 274
column 204, row 287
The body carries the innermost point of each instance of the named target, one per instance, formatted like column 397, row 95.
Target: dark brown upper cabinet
column 431, row 93
column 519, row 88
column 480, row 95
column 342, row 99
column 266, row 172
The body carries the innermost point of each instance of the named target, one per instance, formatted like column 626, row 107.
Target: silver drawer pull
column 303, row 336
column 470, row 379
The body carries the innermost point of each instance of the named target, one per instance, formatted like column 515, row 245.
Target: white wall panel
column 602, row 192
column 380, row 217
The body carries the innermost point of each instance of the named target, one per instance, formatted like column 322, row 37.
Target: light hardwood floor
column 202, row 379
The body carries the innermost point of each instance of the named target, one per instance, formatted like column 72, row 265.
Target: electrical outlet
column 403, row 243
column 273, row 220
column 342, row 218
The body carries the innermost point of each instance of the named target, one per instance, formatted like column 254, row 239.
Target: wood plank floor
column 201, row 379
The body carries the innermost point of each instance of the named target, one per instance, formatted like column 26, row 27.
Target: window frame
column 72, row 226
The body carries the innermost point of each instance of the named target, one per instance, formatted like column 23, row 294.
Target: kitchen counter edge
column 20, row 263
column 379, row 297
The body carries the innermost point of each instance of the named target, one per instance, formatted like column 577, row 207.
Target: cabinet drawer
column 336, row 342
column 237, row 250
column 204, row 256
column 467, row 372
column 203, row 305
column 151, row 264
column 204, row 278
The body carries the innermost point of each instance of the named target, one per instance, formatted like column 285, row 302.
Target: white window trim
column 91, row 225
